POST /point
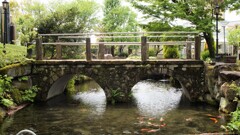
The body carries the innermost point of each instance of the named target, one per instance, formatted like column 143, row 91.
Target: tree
column 199, row 13
column 234, row 38
column 26, row 15
column 72, row 17
column 118, row 18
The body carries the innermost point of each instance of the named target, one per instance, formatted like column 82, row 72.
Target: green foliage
column 170, row 51
column 118, row 18
column 205, row 55
column 16, row 95
column 30, row 94
column 9, row 95
column 115, row 94
column 24, row 78
column 5, row 85
column 71, row 86
column 152, row 52
column 234, row 124
column 27, row 14
column 199, row 13
column 14, row 54
column 73, row 52
column 69, row 17
column 234, row 86
column 5, row 89
column 234, row 36
column 7, row 102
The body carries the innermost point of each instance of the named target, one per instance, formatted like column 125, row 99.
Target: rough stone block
column 208, row 98
column 226, row 106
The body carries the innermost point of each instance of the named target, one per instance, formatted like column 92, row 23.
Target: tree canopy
column 200, row 13
column 32, row 17
column 234, row 36
column 118, row 18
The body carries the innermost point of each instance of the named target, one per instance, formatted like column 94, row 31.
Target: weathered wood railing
column 146, row 39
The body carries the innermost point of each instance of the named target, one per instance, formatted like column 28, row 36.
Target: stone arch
column 159, row 73
column 59, row 86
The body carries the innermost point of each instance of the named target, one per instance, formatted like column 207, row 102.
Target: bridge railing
column 189, row 40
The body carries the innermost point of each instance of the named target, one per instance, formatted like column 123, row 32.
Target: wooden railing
column 142, row 39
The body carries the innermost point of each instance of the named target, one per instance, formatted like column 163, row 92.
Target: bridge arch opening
column 79, row 85
column 156, row 96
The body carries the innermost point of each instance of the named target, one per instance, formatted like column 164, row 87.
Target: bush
column 16, row 95
column 10, row 96
column 234, row 125
column 205, row 55
column 71, row 86
column 152, row 52
column 170, row 51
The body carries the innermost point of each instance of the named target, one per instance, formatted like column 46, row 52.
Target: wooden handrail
column 144, row 43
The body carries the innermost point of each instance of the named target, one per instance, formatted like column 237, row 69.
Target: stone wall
column 219, row 79
column 118, row 78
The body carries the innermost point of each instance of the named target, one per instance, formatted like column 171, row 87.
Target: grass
column 14, row 54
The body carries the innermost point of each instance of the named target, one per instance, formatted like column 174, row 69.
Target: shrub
column 9, row 95
column 16, row 95
column 152, row 52
column 170, row 51
column 234, row 124
column 71, row 86
column 205, row 55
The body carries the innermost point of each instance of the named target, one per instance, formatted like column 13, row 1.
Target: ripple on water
column 153, row 99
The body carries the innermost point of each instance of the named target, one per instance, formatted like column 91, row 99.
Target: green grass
column 14, row 54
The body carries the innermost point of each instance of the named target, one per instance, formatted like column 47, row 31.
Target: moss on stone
column 71, row 87
column 16, row 95
column 5, row 69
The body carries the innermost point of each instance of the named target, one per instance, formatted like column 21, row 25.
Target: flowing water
column 157, row 109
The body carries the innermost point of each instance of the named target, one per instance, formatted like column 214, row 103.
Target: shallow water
column 158, row 109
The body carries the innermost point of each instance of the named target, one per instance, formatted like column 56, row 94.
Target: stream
column 158, row 108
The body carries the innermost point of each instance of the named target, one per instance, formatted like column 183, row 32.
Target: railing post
column 59, row 50
column 88, row 49
column 189, row 49
column 39, row 49
column 144, row 48
column 101, row 50
column 197, row 47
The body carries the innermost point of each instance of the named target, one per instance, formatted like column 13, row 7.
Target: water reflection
column 155, row 98
column 92, row 96
column 91, row 116
column 95, row 100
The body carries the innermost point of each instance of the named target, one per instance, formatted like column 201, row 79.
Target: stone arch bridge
column 115, row 77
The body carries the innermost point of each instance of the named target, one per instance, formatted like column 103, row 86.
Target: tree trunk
column 235, row 50
column 112, row 50
column 210, row 42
